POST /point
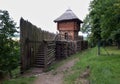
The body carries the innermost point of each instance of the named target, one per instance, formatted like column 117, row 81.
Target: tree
column 86, row 28
column 111, row 22
column 105, row 20
column 8, row 47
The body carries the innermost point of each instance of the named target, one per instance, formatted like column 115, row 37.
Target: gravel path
column 56, row 76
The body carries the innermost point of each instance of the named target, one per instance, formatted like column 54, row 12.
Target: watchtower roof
column 68, row 15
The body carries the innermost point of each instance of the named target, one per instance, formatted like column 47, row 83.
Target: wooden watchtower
column 68, row 25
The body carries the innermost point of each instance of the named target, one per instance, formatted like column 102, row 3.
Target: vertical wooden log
column 45, row 55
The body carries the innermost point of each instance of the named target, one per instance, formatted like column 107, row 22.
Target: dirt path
column 56, row 76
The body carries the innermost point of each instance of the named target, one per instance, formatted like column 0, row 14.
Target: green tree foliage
column 8, row 47
column 105, row 20
column 86, row 28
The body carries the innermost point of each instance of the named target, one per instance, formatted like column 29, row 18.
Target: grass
column 17, row 79
column 30, row 80
column 20, row 80
column 60, row 62
column 16, row 72
column 105, row 69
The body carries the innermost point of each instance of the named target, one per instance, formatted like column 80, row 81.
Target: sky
column 42, row 12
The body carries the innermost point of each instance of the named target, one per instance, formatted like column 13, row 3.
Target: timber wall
column 40, row 48
column 31, row 39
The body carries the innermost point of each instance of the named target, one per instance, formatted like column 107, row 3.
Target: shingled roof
column 68, row 15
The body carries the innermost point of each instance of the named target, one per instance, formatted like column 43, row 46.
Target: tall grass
column 105, row 69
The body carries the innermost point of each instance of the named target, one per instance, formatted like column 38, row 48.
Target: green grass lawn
column 17, row 79
column 105, row 69
column 20, row 80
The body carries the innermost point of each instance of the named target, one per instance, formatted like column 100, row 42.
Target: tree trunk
column 10, row 74
column 118, row 45
column 1, row 76
column 98, row 47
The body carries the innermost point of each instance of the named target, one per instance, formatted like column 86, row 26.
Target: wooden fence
column 45, row 54
column 65, row 49
column 40, row 48
column 68, row 48
column 31, row 39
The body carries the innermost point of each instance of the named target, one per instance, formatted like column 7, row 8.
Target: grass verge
column 60, row 62
column 30, row 80
column 20, row 80
column 17, row 79
column 105, row 69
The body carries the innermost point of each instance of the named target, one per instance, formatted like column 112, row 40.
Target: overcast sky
column 42, row 12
